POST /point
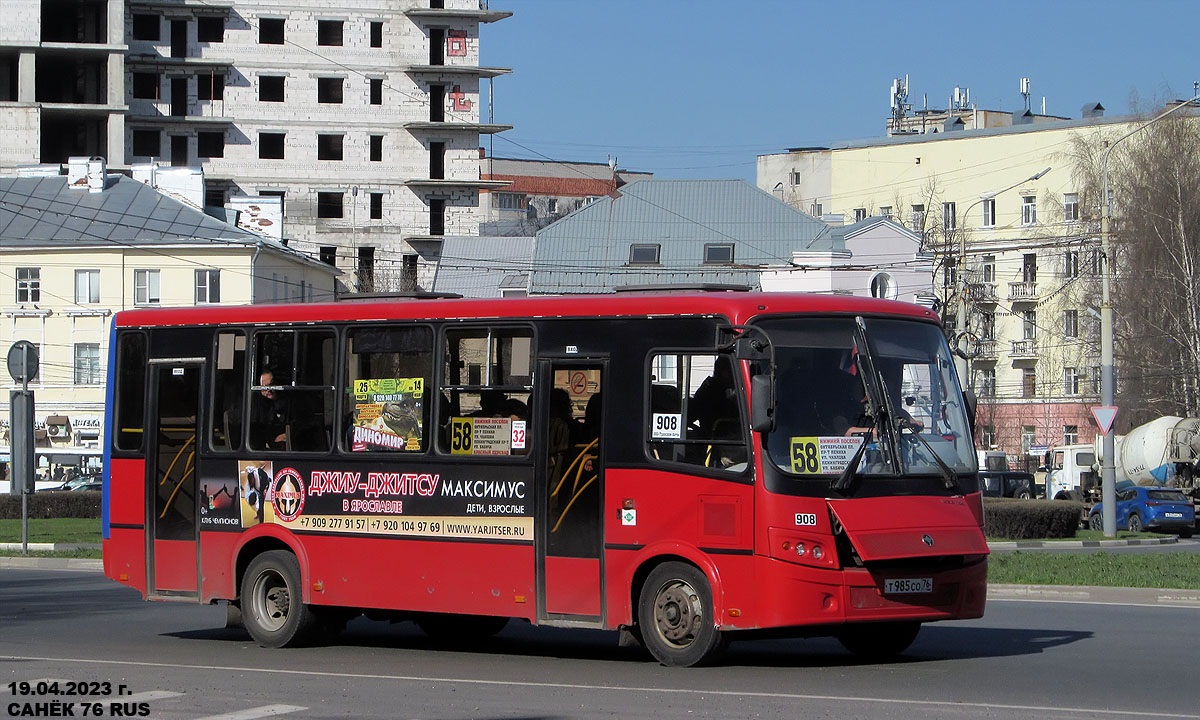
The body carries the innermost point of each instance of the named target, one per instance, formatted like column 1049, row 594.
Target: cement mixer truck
column 1165, row 451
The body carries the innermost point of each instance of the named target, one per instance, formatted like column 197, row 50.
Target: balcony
column 1022, row 292
column 989, row 349
column 1024, row 349
column 982, row 292
column 457, row 70
column 440, row 127
column 442, row 14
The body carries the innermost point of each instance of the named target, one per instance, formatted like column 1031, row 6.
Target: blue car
column 1152, row 507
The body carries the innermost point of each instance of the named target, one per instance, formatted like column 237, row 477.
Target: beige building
column 75, row 249
column 1010, row 195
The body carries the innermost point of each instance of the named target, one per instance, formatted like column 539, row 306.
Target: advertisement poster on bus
column 387, row 414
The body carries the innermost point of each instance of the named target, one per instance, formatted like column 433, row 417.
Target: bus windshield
column 825, row 410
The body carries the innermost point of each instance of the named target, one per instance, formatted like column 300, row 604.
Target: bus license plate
column 901, row 586
column 1174, row 515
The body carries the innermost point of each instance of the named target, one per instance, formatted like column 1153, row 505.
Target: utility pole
column 1108, row 469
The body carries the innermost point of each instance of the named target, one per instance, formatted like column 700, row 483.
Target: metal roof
column 589, row 250
column 480, row 266
column 43, row 212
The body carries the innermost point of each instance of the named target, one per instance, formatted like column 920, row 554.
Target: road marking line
column 1163, row 604
column 145, row 696
column 258, row 712
column 625, row 689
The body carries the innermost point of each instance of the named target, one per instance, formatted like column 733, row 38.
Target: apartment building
column 1008, row 195
column 364, row 120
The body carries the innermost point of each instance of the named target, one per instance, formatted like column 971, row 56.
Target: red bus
column 686, row 468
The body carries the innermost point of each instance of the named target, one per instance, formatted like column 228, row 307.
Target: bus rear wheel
column 675, row 616
column 879, row 641
column 273, row 610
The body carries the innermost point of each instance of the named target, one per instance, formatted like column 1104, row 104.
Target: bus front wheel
column 273, row 609
column 675, row 616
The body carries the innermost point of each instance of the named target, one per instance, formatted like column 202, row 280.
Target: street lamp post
column 1108, row 472
column 961, row 279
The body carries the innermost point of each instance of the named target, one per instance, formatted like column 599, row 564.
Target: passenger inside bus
column 269, row 415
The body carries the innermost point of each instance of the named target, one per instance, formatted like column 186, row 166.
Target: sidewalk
column 1022, row 544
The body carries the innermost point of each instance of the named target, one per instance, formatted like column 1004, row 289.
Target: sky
column 699, row 88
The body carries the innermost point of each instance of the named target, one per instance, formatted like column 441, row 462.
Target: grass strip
column 1178, row 570
column 52, row 530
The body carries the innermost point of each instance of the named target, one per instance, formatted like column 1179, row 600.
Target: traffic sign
column 23, row 361
column 1104, row 416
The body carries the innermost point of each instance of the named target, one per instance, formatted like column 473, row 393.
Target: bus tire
column 878, row 641
column 675, row 616
column 273, row 609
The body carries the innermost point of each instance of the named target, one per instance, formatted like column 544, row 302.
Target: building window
column 815, row 210
column 510, row 201
column 886, row 211
column 87, row 287
column 329, row 205
column 794, row 177
column 270, row 31
column 1029, row 324
column 366, row 269
column 1070, row 434
column 718, row 254
column 270, row 88
column 437, row 216
column 917, row 217
column 644, row 254
column 271, row 145
column 329, row 255
column 210, row 144
column 1029, row 267
column 987, row 382
column 1070, row 207
column 1071, row 323
column 147, row 143
column 1097, row 381
column 987, row 436
column 329, row 90
column 949, row 217
column 29, row 285
column 987, row 325
column 329, row 147
column 208, row 286
column 1071, row 263
column 437, row 160
column 1070, row 381
column 87, row 364
column 989, row 212
column 214, row 195
column 552, row 205
column 1028, row 382
column 950, row 272
column 1028, row 209
column 376, row 206
column 145, row 287
column 860, row 214
column 146, row 27
column 210, row 28
column 211, row 87
column 329, row 32
column 376, row 148
column 1028, row 437
column 989, row 268
column 145, row 86
column 377, row 34
column 883, row 286
column 376, row 91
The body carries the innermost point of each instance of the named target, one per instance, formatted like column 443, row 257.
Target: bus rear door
column 171, row 475
column 569, row 469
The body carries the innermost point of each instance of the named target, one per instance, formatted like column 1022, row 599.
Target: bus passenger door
column 171, row 472
column 570, row 536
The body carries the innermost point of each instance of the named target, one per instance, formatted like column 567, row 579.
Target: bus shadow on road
column 935, row 643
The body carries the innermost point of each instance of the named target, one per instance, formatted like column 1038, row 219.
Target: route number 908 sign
column 666, row 425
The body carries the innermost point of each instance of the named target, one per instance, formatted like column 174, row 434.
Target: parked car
column 1010, row 483
column 1142, row 507
column 95, row 484
column 74, row 483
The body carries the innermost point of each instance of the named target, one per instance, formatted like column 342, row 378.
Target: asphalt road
column 1024, row 659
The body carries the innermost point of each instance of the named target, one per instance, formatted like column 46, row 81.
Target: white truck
column 1165, row 451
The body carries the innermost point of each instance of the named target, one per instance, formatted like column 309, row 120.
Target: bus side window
column 291, row 400
column 389, row 372
column 130, row 392
column 696, row 413
column 229, row 391
column 487, row 378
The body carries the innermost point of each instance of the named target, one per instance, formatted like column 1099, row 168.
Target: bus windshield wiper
column 850, row 472
column 948, row 477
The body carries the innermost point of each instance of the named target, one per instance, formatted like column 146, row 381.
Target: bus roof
column 739, row 307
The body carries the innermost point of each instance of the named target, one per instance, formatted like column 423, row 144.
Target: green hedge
column 1029, row 519
column 50, row 504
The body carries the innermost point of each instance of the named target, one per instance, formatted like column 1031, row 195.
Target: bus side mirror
column 762, row 403
column 972, row 403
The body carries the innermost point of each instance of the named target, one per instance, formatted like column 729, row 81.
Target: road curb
column 47, row 563
column 1023, row 544
column 1099, row 595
